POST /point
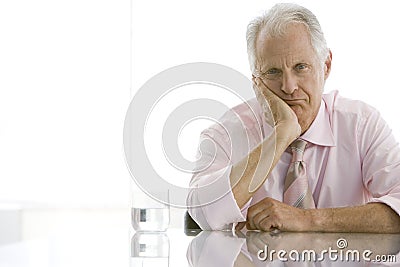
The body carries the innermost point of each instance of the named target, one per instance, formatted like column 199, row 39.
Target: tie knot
column 298, row 146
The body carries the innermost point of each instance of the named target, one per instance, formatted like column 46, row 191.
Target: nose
column 289, row 83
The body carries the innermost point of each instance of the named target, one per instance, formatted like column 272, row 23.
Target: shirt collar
column 320, row 132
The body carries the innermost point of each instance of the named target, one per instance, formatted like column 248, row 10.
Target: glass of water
column 150, row 212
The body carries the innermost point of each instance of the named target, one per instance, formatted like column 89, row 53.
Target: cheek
column 273, row 85
column 315, row 102
column 313, row 87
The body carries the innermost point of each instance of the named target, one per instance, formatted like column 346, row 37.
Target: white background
column 66, row 79
column 64, row 90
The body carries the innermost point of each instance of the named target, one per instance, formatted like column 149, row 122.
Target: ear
column 327, row 65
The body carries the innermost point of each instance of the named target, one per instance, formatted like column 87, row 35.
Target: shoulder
column 353, row 122
column 346, row 108
column 247, row 113
column 245, row 116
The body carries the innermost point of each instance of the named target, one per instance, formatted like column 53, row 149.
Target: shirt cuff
column 218, row 206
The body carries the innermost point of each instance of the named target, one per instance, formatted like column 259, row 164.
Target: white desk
column 74, row 238
column 64, row 238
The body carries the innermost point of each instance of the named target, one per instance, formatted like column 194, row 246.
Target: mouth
column 293, row 102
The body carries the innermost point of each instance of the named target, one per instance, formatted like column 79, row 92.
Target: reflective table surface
column 293, row 249
column 105, row 238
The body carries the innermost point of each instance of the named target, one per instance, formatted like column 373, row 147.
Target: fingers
column 264, row 222
column 258, row 213
column 275, row 109
column 262, row 88
column 272, row 105
column 268, row 224
column 255, row 219
column 265, row 215
column 265, row 98
column 268, row 94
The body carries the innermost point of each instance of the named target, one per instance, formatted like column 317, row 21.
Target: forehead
column 294, row 44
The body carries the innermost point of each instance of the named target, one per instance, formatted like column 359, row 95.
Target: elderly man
column 311, row 161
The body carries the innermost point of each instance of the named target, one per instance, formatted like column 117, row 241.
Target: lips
column 293, row 101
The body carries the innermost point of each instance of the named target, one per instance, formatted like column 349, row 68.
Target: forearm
column 251, row 172
column 369, row 218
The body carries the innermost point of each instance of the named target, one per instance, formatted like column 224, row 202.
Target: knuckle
column 266, row 224
column 273, row 218
column 258, row 218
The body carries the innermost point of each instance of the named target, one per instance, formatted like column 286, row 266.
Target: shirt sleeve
column 211, row 202
column 380, row 154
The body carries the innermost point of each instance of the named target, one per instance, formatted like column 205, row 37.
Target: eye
column 301, row 67
column 272, row 71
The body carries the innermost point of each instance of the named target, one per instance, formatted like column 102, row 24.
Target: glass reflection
column 149, row 249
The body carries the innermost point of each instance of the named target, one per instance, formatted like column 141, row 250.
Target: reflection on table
column 293, row 249
column 160, row 249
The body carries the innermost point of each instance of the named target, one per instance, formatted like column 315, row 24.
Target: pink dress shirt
column 352, row 159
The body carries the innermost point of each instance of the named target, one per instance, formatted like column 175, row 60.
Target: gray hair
column 275, row 22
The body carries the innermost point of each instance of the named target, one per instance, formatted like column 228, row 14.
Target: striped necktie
column 296, row 192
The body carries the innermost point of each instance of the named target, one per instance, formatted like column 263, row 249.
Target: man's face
column 289, row 67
